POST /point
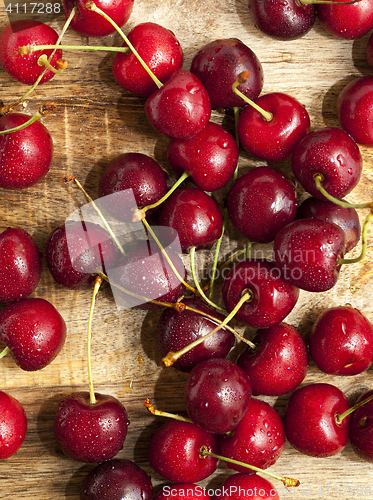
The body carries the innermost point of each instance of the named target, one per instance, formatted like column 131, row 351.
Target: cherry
column 341, row 341
column 180, row 108
column 90, row 432
column 261, row 202
column 176, row 330
column 355, row 109
column 181, row 491
column 175, row 452
column 309, row 253
column 276, row 138
column 287, row 20
column 89, row 23
column 25, row 155
column 218, row 64
column 159, row 49
column 332, row 153
column 25, row 68
column 361, row 428
column 210, row 157
column 272, row 296
column 312, row 423
column 217, row 395
column 259, row 438
column 20, row 265
column 117, row 479
column 13, row 425
column 247, row 487
column 34, row 331
column 135, row 171
column 278, row 364
column 346, row 218
column 347, row 21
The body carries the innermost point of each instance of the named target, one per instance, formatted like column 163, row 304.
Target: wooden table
column 95, row 121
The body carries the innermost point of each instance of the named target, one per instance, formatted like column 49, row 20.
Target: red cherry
column 25, row 155
column 247, row 487
column 25, row 68
column 13, row 425
column 347, row 21
column 361, row 428
column 159, row 49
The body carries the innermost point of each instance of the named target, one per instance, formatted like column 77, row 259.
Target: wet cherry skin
column 347, row 21
column 13, row 425
column 361, row 428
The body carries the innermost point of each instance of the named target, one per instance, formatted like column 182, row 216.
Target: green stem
column 33, row 119
column 216, row 254
column 33, row 48
column 344, row 204
column 364, row 243
column 241, row 79
column 158, row 413
column 236, row 117
column 4, row 352
column 341, row 416
column 92, row 397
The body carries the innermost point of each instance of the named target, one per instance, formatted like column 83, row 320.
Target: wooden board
column 96, row 120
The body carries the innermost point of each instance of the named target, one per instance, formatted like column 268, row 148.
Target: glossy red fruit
column 308, row 253
column 90, row 432
column 273, row 297
column 183, row 491
column 25, row 155
column 279, row 362
column 89, row 23
column 261, row 202
column 159, row 49
column 355, row 109
column 258, row 440
column 20, row 264
column 332, row 153
column 210, row 157
column 310, row 420
column 218, row 64
column 117, row 479
column 25, row 68
column 247, row 487
column 217, row 395
column 286, row 20
column 34, row 331
column 341, row 341
column 175, row 452
column 13, row 425
column 361, row 428
column 180, row 108
column 347, row 21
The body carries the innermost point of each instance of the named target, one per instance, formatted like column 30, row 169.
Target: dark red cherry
column 175, row 452
column 135, row 171
column 20, row 264
column 311, row 420
column 210, row 157
column 180, row 108
column 89, row 23
column 261, row 202
column 117, row 479
column 13, row 425
column 273, row 140
column 159, row 49
column 355, row 109
column 217, row 395
column 243, row 486
column 332, row 153
column 278, row 364
column 90, row 432
column 259, row 439
column 361, row 428
column 176, row 330
column 347, row 21
column 25, row 155
column 218, row 65
column 345, row 218
column 285, row 20
column 181, row 491
column 25, row 68
column 34, row 331
column 272, row 296
column 308, row 251
column 341, row 341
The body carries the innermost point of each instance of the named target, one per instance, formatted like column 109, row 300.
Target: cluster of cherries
column 194, row 334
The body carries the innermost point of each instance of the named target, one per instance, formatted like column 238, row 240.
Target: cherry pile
column 279, row 209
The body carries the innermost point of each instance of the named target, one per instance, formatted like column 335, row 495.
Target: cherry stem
column 340, row 417
column 92, row 397
column 216, row 254
column 41, row 112
column 364, row 243
column 92, row 6
column 4, row 352
column 27, row 49
column 171, row 357
column 344, row 204
column 158, row 413
column 61, row 63
column 287, row 481
column 99, row 213
column 241, row 79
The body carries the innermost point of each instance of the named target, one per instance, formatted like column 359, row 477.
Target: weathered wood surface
column 95, row 121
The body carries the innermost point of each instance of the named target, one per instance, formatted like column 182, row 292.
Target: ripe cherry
column 347, row 21
column 13, row 425
column 361, row 428
column 243, row 486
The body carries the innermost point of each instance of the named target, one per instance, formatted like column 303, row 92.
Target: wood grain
column 95, row 120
